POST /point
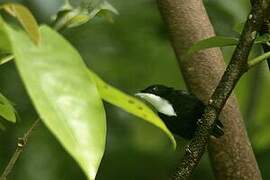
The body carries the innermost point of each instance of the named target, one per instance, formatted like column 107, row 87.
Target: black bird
column 179, row 110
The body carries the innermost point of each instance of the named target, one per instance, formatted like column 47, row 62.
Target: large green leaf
column 76, row 13
column 6, row 109
column 64, row 95
column 130, row 104
column 25, row 17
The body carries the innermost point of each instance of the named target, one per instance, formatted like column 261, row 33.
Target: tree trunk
column 187, row 21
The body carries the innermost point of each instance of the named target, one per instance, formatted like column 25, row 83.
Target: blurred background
column 131, row 53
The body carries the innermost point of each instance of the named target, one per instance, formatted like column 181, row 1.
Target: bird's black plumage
column 188, row 109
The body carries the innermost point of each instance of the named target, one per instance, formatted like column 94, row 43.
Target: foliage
column 75, row 116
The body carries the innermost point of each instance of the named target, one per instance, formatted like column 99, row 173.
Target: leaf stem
column 6, row 59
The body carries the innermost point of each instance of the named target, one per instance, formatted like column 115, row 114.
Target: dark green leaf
column 219, row 41
column 212, row 42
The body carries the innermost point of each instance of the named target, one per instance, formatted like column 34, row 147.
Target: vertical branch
column 231, row 155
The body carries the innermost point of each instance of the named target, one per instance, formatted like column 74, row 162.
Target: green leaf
column 26, row 19
column 76, row 13
column 63, row 94
column 216, row 41
column 6, row 109
column 130, row 104
column 220, row 41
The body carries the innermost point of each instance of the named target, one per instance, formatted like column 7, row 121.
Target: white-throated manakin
column 180, row 110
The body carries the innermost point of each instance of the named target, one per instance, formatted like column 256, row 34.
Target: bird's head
column 157, row 95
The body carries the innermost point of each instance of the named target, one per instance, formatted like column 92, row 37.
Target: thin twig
column 258, row 60
column 237, row 67
column 20, row 147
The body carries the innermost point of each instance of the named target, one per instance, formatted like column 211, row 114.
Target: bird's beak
column 140, row 95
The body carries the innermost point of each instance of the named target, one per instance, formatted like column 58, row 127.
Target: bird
column 180, row 110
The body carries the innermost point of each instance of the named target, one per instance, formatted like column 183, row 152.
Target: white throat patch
column 161, row 105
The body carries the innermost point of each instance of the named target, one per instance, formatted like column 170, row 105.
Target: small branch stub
column 20, row 147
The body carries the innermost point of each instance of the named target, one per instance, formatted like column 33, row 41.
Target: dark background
column 131, row 53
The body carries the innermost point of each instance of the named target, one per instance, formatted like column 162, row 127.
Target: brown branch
column 232, row 156
column 20, row 147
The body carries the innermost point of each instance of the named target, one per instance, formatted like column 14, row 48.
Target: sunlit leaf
column 63, row 94
column 26, row 19
column 76, row 13
column 130, row 104
column 6, row 109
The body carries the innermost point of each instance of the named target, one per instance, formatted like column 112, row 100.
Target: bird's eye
column 155, row 89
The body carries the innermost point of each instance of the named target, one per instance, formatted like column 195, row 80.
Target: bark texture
column 187, row 21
